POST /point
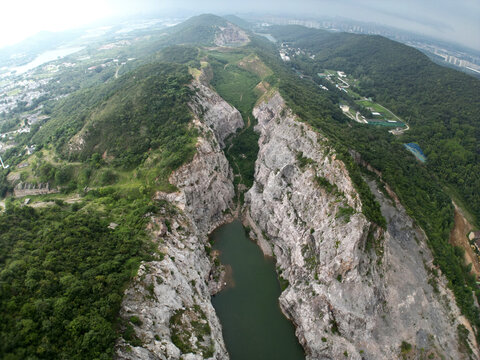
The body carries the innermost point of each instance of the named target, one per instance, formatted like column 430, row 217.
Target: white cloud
column 450, row 20
column 22, row 18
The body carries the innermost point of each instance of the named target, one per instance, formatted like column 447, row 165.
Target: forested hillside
column 440, row 104
column 107, row 147
column 63, row 267
column 198, row 30
column 146, row 109
column 63, row 271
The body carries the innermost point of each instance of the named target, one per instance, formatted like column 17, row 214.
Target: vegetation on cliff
column 62, row 268
column 420, row 188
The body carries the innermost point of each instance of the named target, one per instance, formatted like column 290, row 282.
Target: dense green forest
column 142, row 115
column 63, row 271
column 144, row 110
column 419, row 189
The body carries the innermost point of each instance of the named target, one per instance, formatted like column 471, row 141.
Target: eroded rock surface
column 167, row 308
column 230, row 35
column 210, row 107
column 355, row 291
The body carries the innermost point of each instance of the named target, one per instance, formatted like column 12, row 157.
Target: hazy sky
column 454, row 20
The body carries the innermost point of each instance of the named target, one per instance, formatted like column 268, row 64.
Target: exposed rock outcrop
column 210, row 107
column 230, row 35
column 169, row 299
column 355, row 291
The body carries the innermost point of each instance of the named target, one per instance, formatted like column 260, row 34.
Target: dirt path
column 458, row 237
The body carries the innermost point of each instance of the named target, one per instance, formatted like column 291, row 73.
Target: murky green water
column 254, row 328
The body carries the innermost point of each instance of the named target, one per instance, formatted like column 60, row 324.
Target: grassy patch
column 253, row 64
column 284, row 283
column 378, row 108
column 234, row 84
column 238, row 87
column 345, row 212
column 303, row 161
column 324, row 183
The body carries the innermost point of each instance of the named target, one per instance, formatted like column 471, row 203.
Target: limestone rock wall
column 355, row 291
column 210, row 107
column 170, row 296
column 230, row 35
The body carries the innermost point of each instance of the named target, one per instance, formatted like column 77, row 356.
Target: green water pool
column 254, row 327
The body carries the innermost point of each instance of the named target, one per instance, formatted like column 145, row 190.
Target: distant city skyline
column 456, row 22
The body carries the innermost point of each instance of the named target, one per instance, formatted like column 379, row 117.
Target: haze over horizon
column 454, row 22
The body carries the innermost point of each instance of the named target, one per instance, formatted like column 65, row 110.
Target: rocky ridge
column 167, row 307
column 355, row 291
column 209, row 106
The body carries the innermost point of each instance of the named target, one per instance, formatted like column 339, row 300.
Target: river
column 47, row 56
column 254, row 327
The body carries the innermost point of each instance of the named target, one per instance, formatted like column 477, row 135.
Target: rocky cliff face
column 210, row 107
column 230, row 35
column 355, row 291
column 167, row 309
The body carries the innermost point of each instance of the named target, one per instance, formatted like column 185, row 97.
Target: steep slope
column 208, row 30
column 122, row 140
column 210, row 106
column 150, row 105
column 94, row 236
column 125, row 139
column 171, row 297
column 354, row 290
column 440, row 104
column 418, row 186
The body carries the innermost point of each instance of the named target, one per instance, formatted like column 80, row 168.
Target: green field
column 385, row 123
column 233, row 83
column 238, row 87
column 379, row 108
column 228, row 56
